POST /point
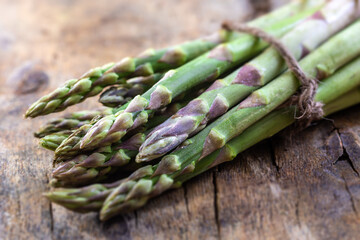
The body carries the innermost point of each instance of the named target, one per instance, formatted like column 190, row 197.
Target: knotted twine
column 309, row 109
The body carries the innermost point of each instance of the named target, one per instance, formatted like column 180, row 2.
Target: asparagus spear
column 185, row 160
column 53, row 140
column 84, row 199
column 225, row 93
column 345, row 101
column 91, row 198
column 117, row 96
column 208, row 66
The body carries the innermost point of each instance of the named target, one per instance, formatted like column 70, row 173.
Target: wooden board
column 303, row 186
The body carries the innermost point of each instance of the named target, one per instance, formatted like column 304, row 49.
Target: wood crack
column 216, row 207
column 345, row 155
column 353, row 205
column 352, row 166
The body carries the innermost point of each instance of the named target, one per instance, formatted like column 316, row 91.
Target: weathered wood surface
column 303, row 186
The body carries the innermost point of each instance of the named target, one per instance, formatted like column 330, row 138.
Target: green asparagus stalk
column 208, row 66
column 119, row 95
column 185, row 160
column 345, row 101
column 227, row 92
column 91, row 198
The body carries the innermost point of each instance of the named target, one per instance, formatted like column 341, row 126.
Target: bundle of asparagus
column 207, row 67
column 159, row 132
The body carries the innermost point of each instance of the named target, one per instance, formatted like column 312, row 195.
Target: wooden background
column 303, row 186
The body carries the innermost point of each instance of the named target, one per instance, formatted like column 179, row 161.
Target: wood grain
column 293, row 186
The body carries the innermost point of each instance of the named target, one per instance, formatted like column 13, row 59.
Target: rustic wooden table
column 303, row 186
